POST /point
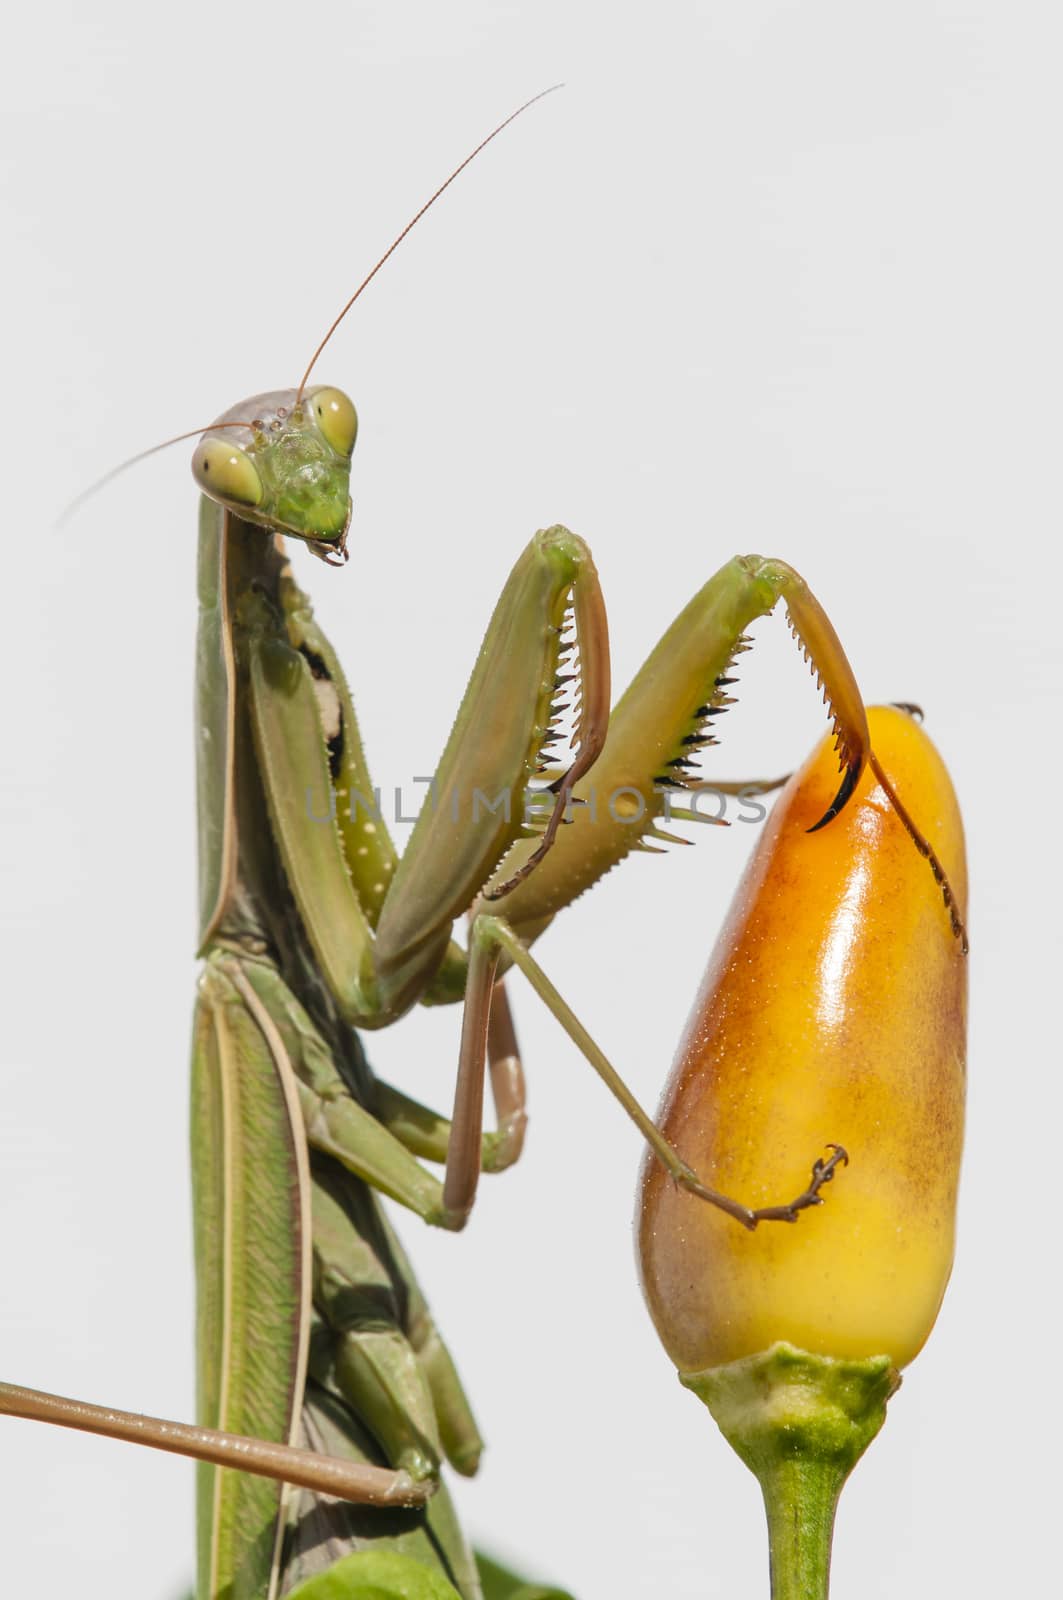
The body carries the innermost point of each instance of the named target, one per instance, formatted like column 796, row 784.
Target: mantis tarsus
column 311, row 1328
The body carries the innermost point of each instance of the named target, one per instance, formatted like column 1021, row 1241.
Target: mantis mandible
column 320, row 1371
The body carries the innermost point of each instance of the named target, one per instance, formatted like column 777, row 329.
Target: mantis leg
column 493, row 937
column 458, row 1433
column 655, row 737
column 665, row 724
column 377, row 1344
column 335, row 1122
column 357, row 1482
column 379, row 938
column 323, row 1531
column 355, row 1135
column 428, row 1135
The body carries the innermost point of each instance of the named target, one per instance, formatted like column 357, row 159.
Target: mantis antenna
column 133, row 461
column 194, row 433
column 413, row 223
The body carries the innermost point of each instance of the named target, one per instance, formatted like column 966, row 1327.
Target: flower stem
column 800, row 1422
column 800, row 1498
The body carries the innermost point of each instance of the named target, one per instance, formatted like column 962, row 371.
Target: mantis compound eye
column 226, row 473
column 336, row 417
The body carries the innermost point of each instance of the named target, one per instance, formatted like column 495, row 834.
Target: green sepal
column 800, row 1422
column 501, row 1584
column 376, row 1575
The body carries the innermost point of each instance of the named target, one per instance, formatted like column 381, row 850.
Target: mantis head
column 288, row 467
column 283, row 459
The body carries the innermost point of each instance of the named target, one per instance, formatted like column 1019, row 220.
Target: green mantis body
column 312, row 1335
column 312, row 925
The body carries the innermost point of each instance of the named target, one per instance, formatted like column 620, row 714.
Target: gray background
column 768, row 277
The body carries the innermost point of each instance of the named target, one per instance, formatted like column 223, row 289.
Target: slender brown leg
column 508, row 1089
column 428, row 1135
column 351, row 1480
column 822, row 1172
column 490, row 937
column 466, row 1123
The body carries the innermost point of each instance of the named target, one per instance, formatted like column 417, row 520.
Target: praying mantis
column 321, row 1373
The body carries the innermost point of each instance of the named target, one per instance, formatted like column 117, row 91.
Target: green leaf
column 501, row 1584
column 376, row 1575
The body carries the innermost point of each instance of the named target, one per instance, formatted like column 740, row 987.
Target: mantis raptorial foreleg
column 650, row 755
column 374, row 974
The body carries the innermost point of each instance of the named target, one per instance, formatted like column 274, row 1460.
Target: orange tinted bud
column 834, row 1009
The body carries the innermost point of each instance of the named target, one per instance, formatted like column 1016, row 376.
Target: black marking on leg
column 849, row 782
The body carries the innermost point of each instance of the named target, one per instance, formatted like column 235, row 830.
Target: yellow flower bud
column 834, row 1009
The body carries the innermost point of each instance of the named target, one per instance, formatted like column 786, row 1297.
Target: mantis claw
column 848, row 784
column 822, row 1172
